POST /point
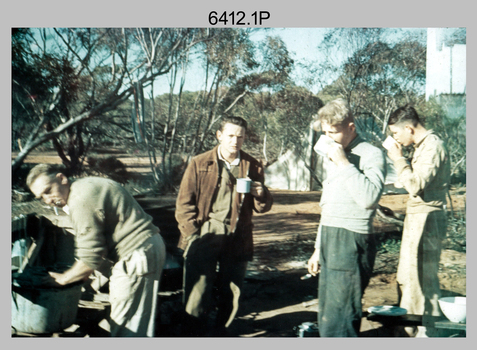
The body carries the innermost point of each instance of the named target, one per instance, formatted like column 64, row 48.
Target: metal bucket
column 38, row 310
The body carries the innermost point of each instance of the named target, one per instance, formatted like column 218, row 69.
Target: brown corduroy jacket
column 198, row 187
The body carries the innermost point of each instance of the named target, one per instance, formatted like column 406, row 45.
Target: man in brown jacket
column 216, row 227
column 426, row 179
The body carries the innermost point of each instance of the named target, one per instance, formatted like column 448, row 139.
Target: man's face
column 231, row 139
column 53, row 191
column 342, row 134
column 402, row 134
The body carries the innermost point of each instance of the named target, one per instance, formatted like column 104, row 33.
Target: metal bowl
column 454, row 308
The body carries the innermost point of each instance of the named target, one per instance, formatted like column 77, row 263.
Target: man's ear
column 409, row 129
column 316, row 125
column 352, row 126
column 63, row 179
column 218, row 134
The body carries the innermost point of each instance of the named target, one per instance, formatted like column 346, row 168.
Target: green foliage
column 374, row 74
column 62, row 73
column 456, row 238
column 66, row 77
column 386, row 79
column 278, row 120
column 390, row 245
column 377, row 75
column 452, row 129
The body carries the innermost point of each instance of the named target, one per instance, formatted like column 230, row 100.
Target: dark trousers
column 208, row 266
column 346, row 260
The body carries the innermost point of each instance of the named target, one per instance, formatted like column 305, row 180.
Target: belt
column 215, row 226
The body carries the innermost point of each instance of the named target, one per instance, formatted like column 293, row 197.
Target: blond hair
column 49, row 170
column 335, row 112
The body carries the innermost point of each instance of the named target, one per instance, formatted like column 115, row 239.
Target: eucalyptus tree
column 295, row 107
column 276, row 67
column 161, row 169
column 226, row 56
column 270, row 76
column 383, row 77
column 84, row 74
column 452, row 130
column 375, row 70
column 236, row 72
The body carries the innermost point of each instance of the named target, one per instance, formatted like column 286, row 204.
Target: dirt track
column 275, row 299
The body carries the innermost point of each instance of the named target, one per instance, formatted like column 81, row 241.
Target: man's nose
column 48, row 199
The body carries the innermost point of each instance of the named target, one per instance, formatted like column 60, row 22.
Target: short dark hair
column 232, row 120
column 404, row 114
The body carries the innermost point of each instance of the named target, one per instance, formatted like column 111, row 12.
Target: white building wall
column 440, row 78
column 288, row 173
column 459, row 60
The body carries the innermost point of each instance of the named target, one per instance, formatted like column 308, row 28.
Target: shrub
column 456, row 233
column 109, row 167
column 390, row 245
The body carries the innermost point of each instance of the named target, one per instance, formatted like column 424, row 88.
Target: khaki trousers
column 134, row 287
column 417, row 278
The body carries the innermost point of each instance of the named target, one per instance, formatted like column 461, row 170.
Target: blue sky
column 302, row 44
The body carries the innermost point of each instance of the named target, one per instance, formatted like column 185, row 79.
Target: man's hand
column 78, row 272
column 395, row 151
column 337, row 154
column 53, row 279
column 314, row 263
column 256, row 189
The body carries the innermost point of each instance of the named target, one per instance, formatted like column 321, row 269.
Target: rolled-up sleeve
column 426, row 165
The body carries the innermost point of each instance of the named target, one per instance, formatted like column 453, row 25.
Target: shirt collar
column 235, row 162
column 353, row 143
column 417, row 144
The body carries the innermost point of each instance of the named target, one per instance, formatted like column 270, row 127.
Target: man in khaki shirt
column 426, row 179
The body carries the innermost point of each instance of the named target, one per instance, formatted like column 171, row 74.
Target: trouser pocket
column 338, row 249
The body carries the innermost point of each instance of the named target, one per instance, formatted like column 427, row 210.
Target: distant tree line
column 80, row 89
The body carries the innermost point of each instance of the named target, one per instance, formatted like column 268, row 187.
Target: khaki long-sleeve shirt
column 427, row 178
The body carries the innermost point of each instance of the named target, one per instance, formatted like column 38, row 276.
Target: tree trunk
column 264, row 149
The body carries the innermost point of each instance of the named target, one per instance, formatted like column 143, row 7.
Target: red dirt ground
column 275, row 299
